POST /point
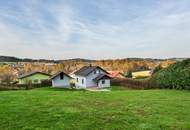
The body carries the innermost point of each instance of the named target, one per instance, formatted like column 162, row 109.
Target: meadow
column 118, row 109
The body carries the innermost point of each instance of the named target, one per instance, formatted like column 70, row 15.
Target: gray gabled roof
column 31, row 73
column 58, row 73
column 101, row 76
column 86, row 70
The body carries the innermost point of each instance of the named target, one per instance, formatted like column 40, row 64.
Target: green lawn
column 57, row 109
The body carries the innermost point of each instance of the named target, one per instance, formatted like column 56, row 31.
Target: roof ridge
column 31, row 73
column 59, row 72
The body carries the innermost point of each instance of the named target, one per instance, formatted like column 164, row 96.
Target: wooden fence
column 133, row 83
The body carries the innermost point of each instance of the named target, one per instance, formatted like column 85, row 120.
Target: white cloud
column 58, row 30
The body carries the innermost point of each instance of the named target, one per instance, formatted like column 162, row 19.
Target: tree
column 128, row 74
column 7, row 78
column 156, row 69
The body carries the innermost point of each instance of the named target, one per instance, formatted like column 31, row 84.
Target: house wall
column 35, row 79
column 79, row 84
column 91, row 76
column 107, row 83
column 57, row 82
column 88, row 80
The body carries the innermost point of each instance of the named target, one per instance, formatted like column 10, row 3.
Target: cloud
column 103, row 29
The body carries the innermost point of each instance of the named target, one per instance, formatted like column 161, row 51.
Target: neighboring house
column 91, row 76
column 33, row 77
column 116, row 74
column 61, row 80
column 142, row 74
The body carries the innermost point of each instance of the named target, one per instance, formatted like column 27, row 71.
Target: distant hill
column 123, row 65
column 16, row 59
column 175, row 76
column 9, row 59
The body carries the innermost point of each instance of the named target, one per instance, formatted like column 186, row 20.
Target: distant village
column 73, row 71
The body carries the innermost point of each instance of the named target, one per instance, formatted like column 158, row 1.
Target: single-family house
column 91, row 76
column 61, row 80
column 116, row 74
column 33, row 77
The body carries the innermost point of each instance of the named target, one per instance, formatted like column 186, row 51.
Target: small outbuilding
column 33, row 78
column 61, row 80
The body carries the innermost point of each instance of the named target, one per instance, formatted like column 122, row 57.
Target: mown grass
column 57, row 109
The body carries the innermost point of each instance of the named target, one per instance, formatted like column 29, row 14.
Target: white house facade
column 91, row 76
column 61, row 80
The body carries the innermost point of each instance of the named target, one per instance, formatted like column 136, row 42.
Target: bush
column 29, row 85
column 8, row 87
column 176, row 76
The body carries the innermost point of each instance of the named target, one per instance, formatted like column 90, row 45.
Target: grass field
column 119, row 109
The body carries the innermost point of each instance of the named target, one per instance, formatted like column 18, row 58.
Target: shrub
column 8, row 87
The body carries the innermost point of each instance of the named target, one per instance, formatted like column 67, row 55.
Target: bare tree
column 7, row 78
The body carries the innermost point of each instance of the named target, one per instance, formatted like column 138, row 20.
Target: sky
column 95, row 29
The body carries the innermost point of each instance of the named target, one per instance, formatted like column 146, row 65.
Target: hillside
column 16, row 59
column 9, row 59
column 51, row 66
column 133, row 64
column 175, row 76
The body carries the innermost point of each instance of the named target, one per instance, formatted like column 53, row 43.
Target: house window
column 36, row 81
column 103, row 81
column 61, row 76
column 95, row 72
column 77, row 80
column 82, row 81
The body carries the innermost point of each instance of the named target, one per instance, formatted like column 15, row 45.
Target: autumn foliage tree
column 6, row 75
